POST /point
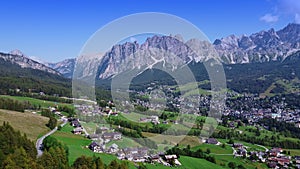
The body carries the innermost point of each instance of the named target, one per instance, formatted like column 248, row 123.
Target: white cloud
column 269, row 18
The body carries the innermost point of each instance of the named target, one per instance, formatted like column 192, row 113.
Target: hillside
column 30, row 124
column 13, row 76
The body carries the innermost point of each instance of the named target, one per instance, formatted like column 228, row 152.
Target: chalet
column 169, row 157
column 75, row 123
column 174, row 157
column 78, row 130
column 297, row 159
column 138, row 158
column 129, row 151
column 121, row 155
column 152, row 119
column 114, row 148
column 102, row 130
column 237, row 145
column 212, row 141
column 281, row 161
column 95, row 147
column 154, row 158
column 112, row 136
column 94, row 137
column 272, row 164
column 143, row 151
column 241, row 151
column 275, row 152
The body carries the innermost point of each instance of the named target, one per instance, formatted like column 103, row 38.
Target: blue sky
column 54, row 30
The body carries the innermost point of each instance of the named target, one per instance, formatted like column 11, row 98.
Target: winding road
column 39, row 141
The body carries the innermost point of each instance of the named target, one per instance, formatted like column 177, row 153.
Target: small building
column 297, row 159
column 78, row 130
column 95, row 147
column 237, row 145
column 94, row 137
column 75, row 123
column 155, row 158
column 174, row 157
column 138, row 158
column 272, row 164
column 275, row 152
column 102, row 130
column 114, row 148
column 152, row 119
column 112, row 136
column 212, row 141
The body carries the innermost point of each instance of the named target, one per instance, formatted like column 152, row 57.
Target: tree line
column 10, row 104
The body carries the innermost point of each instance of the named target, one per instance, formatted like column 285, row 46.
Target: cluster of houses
column 277, row 110
column 274, row 158
column 135, row 154
column 239, row 150
column 78, row 129
column 94, row 109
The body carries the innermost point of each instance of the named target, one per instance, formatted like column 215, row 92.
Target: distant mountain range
column 65, row 67
column 264, row 46
column 17, row 57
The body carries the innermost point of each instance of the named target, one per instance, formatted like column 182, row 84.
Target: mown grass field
column 33, row 125
column 124, row 142
column 223, row 160
column 173, row 140
column 90, row 127
column 217, row 149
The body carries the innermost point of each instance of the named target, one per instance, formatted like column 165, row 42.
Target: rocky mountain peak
column 17, row 52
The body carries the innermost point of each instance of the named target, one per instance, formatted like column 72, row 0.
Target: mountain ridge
column 263, row 46
column 17, row 57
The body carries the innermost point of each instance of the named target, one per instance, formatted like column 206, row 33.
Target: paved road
column 39, row 142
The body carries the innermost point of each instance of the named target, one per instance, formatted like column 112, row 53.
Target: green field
column 124, row 142
column 293, row 152
column 37, row 102
column 223, row 160
column 216, row 149
column 33, row 125
column 90, row 127
column 134, row 116
column 188, row 163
